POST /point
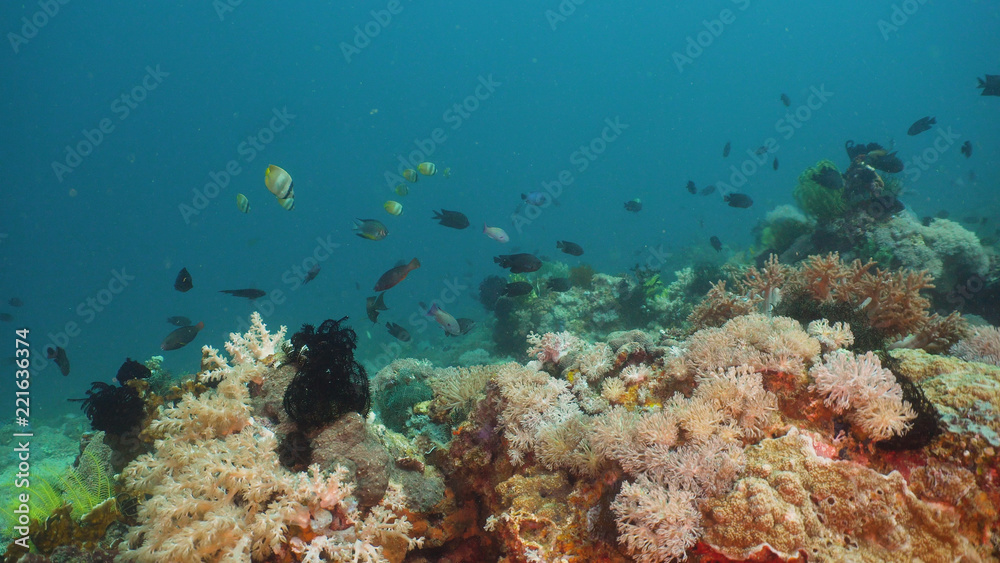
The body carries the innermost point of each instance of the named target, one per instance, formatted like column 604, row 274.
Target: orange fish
column 396, row 275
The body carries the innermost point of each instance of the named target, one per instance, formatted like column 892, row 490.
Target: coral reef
column 983, row 345
column 216, row 491
column 791, row 502
column 950, row 253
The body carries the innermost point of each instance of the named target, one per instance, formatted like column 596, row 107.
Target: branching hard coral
column 768, row 282
column 720, row 305
column 861, row 386
column 983, row 346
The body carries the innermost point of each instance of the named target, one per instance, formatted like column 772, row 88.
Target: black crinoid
column 329, row 383
column 115, row 410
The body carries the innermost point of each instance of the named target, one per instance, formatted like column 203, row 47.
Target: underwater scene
column 558, row 281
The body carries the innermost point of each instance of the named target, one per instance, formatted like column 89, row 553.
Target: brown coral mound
column 792, row 502
column 891, row 301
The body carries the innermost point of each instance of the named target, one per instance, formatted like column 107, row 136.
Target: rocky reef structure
column 754, row 436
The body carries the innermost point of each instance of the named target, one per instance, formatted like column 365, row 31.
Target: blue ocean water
column 92, row 244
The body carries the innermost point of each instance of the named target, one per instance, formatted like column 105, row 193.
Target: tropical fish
column 6, row 317
column 829, row 178
column 634, row 205
column 443, row 318
column 402, row 190
column 250, row 294
column 373, row 305
column 410, row 175
column 990, row 85
column 967, row 149
column 370, row 229
column 311, row 274
column 518, row 288
column 393, row 207
column 761, row 150
column 183, row 282
column 739, row 200
column 725, row 149
column 181, row 337
column 716, row 243
column 58, row 355
column 278, row 182
column 571, row 248
column 708, row 190
column 559, row 284
column 775, row 163
column 427, row 168
column 880, row 160
column 537, row 199
column 496, row 233
column 453, row 219
column 395, row 275
column 242, row 203
column 15, row 302
column 179, row 321
column 446, row 172
column 464, row 326
column 288, row 203
column 518, row 263
column 691, row 188
column 786, row 100
column 921, row 125
column 132, row 369
column 398, row 332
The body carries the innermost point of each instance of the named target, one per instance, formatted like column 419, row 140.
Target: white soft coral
column 257, row 344
column 249, row 351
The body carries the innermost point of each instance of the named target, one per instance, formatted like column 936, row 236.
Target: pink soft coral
column 860, row 385
column 982, row 346
column 552, row 346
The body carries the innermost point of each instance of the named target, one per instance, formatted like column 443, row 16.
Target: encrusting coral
column 791, row 502
column 217, row 492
